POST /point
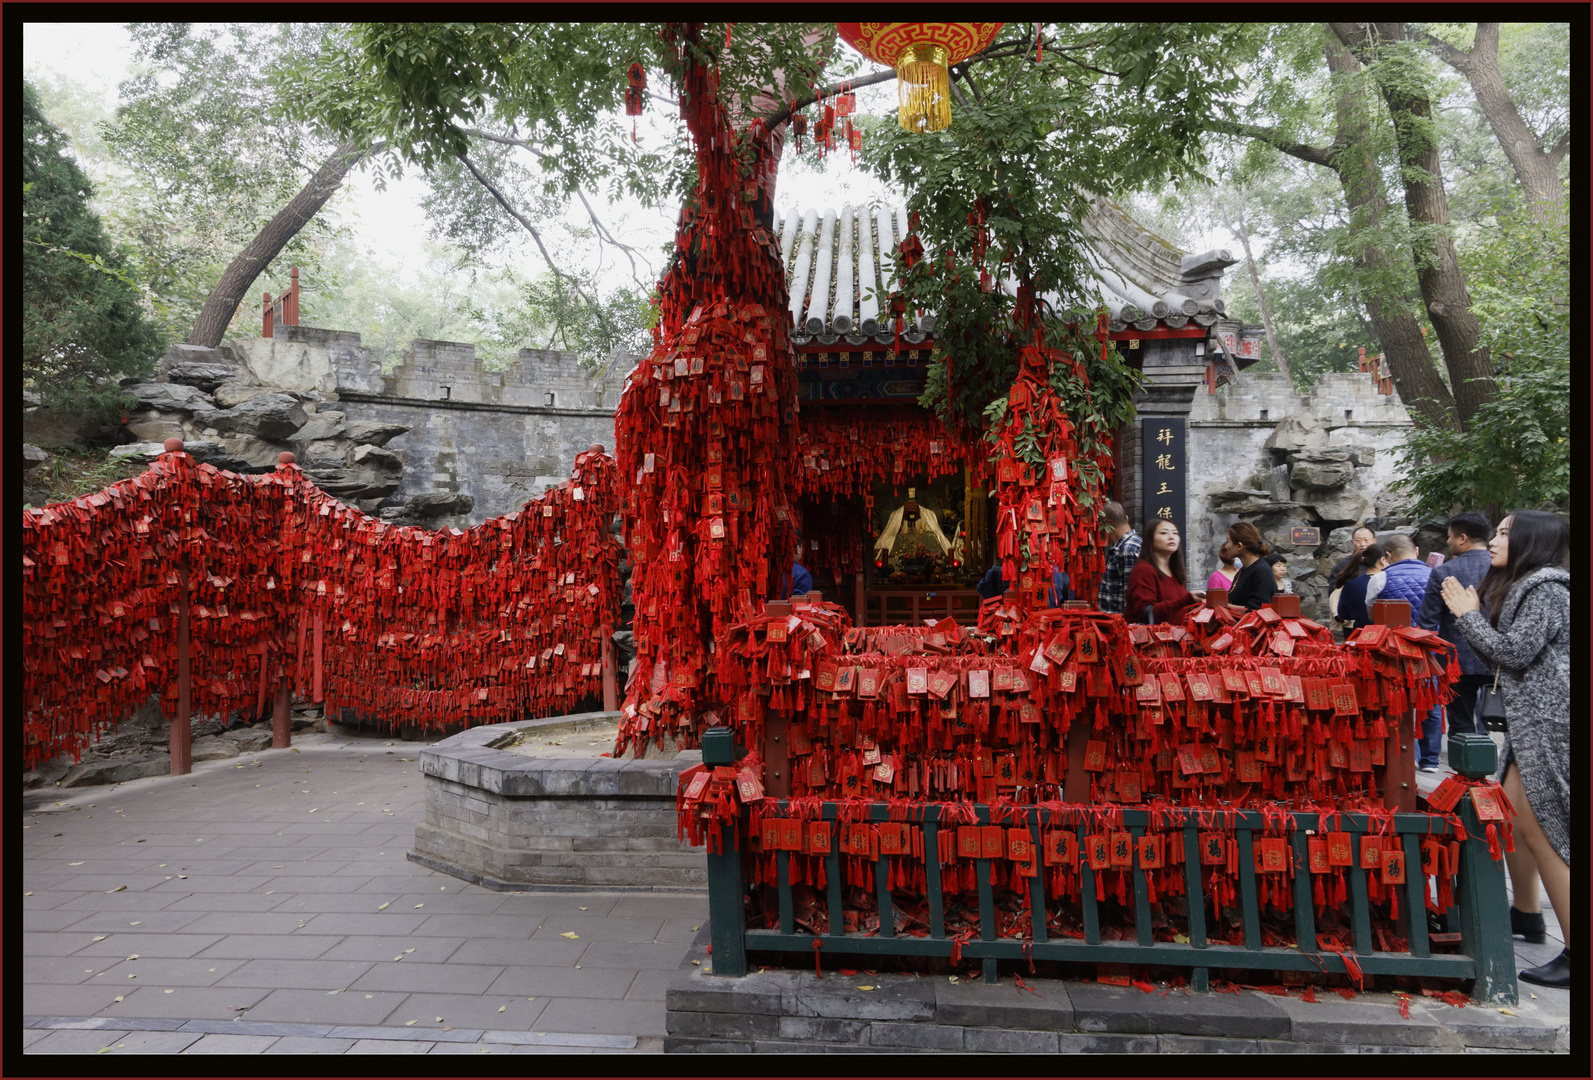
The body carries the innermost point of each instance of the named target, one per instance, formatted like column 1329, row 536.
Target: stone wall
column 439, row 441
column 508, row 821
column 1261, row 451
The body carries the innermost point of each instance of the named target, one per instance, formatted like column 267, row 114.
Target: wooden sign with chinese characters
column 1164, row 471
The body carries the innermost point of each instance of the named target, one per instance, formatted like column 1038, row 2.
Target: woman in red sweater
column 1158, row 581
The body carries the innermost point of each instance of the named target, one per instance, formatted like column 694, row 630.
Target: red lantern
column 921, row 53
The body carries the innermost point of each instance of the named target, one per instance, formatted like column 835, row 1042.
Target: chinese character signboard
column 1300, row 536
column 1166, row 458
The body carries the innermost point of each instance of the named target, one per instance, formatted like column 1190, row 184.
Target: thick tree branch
column 558, row 274
column 1273, row 138
column 603, row 232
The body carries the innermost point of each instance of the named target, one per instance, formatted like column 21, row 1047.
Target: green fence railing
column 1486, row 956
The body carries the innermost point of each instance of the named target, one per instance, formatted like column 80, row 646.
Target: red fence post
column 281, row 719
column 290, row 310
column 1399, row 754
column 181, row 732
column 267, row 322
column 610, row 674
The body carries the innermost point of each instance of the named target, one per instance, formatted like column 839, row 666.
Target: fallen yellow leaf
column 384, row 907
column 171, row 991
column 419, row 906
column 568, row 934
column 74, row 864
column 503, row 1008
column 865, row 988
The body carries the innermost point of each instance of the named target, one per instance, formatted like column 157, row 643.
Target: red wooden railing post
column 290, row 310
column 267, row 323
column 1399, row 754
column 281, row 717
column 181, row 733
column 610, row 674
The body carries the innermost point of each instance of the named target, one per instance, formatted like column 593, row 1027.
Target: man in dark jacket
column 1406, row 579
column 992, row 585
column 1468, row 564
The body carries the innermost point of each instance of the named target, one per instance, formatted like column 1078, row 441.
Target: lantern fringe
column 924, row 93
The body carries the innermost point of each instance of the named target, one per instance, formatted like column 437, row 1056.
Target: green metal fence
column 1486, row 956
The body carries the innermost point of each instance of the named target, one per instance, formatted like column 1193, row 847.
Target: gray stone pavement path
column 265, row 905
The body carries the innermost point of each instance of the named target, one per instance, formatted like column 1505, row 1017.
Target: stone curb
column 796, row 1011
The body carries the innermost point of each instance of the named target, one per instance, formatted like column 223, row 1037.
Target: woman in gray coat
column 1529, row 640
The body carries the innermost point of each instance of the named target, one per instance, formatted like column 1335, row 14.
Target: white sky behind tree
column 391, row 224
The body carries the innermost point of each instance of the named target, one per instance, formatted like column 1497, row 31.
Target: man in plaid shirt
column 1121, row 554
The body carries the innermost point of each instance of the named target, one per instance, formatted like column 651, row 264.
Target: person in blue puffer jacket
column 1406, row 579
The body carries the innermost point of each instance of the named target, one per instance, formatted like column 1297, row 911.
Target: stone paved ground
column 264, row 905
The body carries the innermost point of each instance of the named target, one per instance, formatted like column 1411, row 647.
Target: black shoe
column 1528, row 926
column 1556, row 972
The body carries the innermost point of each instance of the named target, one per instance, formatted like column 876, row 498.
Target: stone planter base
column 511, row 822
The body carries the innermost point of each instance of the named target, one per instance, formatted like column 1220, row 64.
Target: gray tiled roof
column 1143, row 280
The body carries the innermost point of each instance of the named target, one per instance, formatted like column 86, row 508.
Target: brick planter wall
column 508, row 821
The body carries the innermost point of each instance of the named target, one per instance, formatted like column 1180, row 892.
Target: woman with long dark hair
column 1352, row 601
column 1527, row 637
column 1158, row 585
column 1254, row 585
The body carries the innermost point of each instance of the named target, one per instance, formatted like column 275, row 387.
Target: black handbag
column 1491, row 707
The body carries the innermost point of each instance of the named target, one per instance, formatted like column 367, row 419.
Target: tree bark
column 224, row 300
column 1537, row 169
column 1410, row 362
column 1438, row 272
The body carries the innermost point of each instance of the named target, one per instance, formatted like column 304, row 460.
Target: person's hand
column 1199, row 595
column 1460, row 599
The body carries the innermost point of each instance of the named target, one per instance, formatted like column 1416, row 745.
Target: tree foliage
column 204, row 156
column 1108, row 109
column 84, row 324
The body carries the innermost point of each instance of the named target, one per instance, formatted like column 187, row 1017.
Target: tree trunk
column 1537, row 169
column 1438, row 272
column 1410, row 362
column 1243, row 235
column 224, row 300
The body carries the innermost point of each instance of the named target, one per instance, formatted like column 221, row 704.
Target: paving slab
column 555, row 952
column 604, row 1017
column 155, row 1042
column 509, row 1012
column 449, row 978
column 231, row 1044
column 386, row 1046
column 76, row 1042
column 185, row 1003
column 568, row 982
column 297, row 974
column 297, row 946
column 297, row 1044
column 345, row 1007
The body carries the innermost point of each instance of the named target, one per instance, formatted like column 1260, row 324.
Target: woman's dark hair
column 1248, row 537
column 1274, row 559
column 1537, row 539
column 1358, row 564
column 1175, row 562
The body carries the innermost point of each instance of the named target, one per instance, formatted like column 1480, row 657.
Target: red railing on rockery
column 215, row 590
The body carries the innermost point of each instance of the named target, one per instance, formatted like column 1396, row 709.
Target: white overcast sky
column 391, row 223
